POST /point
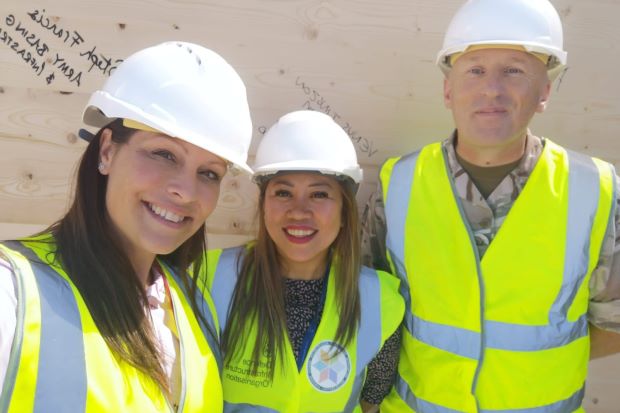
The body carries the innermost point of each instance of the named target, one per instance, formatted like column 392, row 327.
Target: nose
column 299, row 209
column 183, row 187
column 493, row 84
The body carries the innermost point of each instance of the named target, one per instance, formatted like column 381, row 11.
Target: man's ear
column 107, row 149
column 447, row 93
column 544, row 98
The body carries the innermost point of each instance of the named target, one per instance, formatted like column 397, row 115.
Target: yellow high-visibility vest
column 507, row 332
column 332, row 376
column 60, row 362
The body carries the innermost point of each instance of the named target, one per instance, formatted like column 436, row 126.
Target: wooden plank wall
column 367, row 63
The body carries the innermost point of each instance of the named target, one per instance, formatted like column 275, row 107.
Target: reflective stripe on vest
column 584, row 183
column 583, row 202
column 208, row 330
column 372, row 334
column 224, row 283
column 63, row 361
column 422, row 406
column 59, row 318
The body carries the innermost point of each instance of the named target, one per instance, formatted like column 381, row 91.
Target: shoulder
column 401, row 167
column 368, row 275
column 224, row 261
column 388, row 165
column 383, row 307
column 7, row 285
column 8, row 299
column 384, row 284
column 14, row 258
column 8, row 314
column 229, row 256
column 227, row 253
column 437, row 145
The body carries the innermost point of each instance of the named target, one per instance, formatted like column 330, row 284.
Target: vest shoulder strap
column 225, row 279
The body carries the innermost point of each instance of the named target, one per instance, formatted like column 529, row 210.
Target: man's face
column 493, row 95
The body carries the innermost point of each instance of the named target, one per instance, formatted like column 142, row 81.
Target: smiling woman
column 302, row 213
column 305, row 326
column 156, row 220
column 105, row 294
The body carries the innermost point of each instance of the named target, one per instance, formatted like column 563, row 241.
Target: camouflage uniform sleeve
column 382, row 370
column 374, row 253
column 604, row 309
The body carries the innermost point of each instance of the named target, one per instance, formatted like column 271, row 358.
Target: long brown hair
column 259, row 295
column 89, row 250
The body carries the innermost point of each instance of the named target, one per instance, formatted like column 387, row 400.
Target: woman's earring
column 100, row 167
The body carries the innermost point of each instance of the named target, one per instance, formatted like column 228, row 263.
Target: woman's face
column 302, row 212
column 160, row 190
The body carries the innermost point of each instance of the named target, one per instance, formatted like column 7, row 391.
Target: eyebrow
column 167, row 138
column 176, row 143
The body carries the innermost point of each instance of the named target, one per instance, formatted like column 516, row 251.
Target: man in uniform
column 507, row 245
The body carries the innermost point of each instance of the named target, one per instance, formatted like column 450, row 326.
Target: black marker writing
column 317, row 102
column 63, row 34
column 100, row 61
column 31, row 59
column 32, row 39
column 68, row 71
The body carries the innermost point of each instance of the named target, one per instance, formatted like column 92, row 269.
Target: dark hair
column 259, row 295
column 89, row 250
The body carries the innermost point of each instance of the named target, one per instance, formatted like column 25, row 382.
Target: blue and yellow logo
column 329, row 366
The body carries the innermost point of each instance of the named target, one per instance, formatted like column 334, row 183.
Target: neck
column 304, row 270
column 492, row 155
column 142, row 266
column 140, row 259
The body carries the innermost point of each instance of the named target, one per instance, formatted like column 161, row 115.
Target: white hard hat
column 532, row 24
column 183, row 90
column 306, row 140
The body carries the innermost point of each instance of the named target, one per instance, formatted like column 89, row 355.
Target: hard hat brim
column 103, row 108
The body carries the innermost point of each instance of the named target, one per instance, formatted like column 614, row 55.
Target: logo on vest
column 329, row 366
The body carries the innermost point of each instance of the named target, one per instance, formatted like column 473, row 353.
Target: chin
column 164, row 249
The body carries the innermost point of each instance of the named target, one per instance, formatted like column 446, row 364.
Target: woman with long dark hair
column 100, row 312
column 305, row 328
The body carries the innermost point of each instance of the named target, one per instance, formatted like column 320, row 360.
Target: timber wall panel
column 368, row 63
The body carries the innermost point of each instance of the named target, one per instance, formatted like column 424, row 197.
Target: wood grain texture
column 602, row 386
column 368, row 63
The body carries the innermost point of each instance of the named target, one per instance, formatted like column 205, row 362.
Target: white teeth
column 300, row 232
column 172, row 217
column 167, row 215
